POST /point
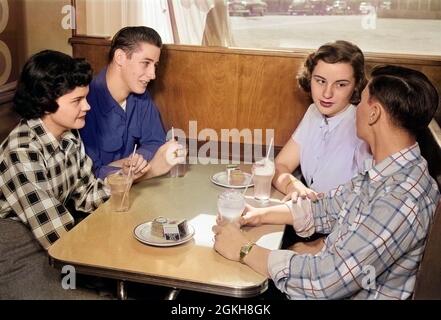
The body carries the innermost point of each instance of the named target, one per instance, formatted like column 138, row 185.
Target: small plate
column 221, row 179
column 143, row 234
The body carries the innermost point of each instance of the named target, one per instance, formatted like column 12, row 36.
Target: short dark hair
column 408, row 96
column 335, row 52
column 129, row 38
column 45, row 77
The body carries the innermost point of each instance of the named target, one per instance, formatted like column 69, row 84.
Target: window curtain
column 195, row 22
column 106, row 17
column 202, row 22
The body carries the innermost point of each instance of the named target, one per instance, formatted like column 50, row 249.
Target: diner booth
column 213, row 87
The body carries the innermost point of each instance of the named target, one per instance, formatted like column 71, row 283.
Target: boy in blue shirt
column 123, row 113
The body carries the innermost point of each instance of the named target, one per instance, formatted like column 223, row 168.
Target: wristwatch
column 245, row 250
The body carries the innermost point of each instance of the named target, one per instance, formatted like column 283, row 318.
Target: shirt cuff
column 278, row 264
column 302, row 217
column 146, row 154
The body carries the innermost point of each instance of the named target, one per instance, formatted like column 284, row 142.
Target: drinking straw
column 128, row 178
column 248, row 184
column 269, row 149
column 173, row 133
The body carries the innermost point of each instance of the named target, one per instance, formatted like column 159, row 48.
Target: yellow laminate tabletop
column 104, row 243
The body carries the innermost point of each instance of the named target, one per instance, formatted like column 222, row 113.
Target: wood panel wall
column 234, row 88
column 8, row 118
column 226, row 90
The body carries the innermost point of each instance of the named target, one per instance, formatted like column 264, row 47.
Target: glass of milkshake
column 263, row 171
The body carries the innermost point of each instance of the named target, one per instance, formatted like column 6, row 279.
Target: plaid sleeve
column 374, row 241
column 302, row 217
column 326, row 210
column 27, row 190
column 89, row 191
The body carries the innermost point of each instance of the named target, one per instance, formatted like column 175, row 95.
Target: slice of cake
column 171, row 232
column 235, row 176
column 169, row 229
column 183, row 228
column 175, row 229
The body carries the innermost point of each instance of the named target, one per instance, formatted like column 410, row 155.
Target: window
column 395, row 26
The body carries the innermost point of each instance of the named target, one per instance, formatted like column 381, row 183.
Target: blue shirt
column 111, row 133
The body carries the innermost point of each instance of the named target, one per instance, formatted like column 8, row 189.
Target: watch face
column 245, row 250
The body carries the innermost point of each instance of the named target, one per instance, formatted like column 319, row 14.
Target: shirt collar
column 70, row 138
column 392, row 164
column 333, row 122
column 103, row 90
column 49, row 142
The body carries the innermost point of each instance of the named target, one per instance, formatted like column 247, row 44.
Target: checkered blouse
column 39, row 174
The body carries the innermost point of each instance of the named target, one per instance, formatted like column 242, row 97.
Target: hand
column 138, row 164
column 228, row 240
column 168, row 155
column 252, row 216
column 175, row 153
column 222, row 221
column 298, row 189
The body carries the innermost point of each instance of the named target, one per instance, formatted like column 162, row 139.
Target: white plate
column 221, row 179
column 143, row 233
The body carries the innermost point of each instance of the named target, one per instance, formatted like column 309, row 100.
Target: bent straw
column 251, row 181
column 269, row 149
column 128, row 178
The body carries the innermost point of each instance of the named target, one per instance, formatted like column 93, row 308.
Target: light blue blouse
column 330, row 151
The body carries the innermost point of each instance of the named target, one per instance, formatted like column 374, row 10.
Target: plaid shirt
column 39, row 174
column 378, row 223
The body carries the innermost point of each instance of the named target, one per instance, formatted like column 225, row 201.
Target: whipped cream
column 264, row 167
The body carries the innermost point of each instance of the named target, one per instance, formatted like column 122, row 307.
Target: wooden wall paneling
column 434, row 74
column 226, row 91
column 236, row 88
column 8, row 119
column 93, row 49
column 197, row 86
column 269, row 96
column 430, row 66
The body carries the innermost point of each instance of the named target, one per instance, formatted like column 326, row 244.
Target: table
column 103, row 243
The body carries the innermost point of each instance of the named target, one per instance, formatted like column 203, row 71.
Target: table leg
column 121, row 290
column 172, row 295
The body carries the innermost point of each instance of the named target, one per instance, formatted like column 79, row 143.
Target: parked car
column 340, row 7
column 307, row 7
column 385, row 5
column 246, row 8
column 365, row 7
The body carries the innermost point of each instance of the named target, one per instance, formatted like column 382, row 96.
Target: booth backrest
column 428, row 282
column 226, row 88
column 8, row 118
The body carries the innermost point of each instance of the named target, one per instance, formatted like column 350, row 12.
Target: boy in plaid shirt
column 377, row 222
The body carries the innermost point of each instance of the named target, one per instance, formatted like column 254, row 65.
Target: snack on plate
column 158, row 226
column 169, row 229
column 235, row 176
